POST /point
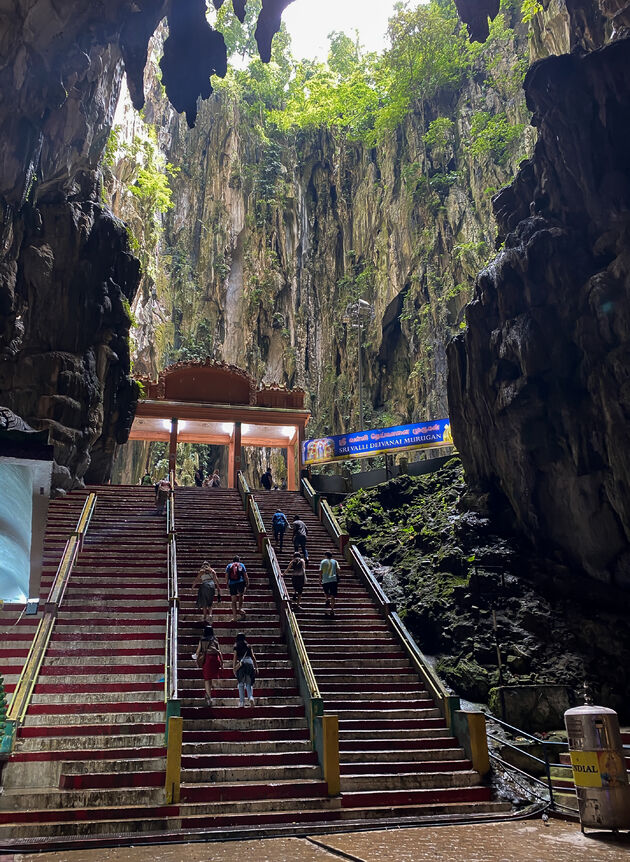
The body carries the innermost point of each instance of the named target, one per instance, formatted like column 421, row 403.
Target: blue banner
column 363, row 444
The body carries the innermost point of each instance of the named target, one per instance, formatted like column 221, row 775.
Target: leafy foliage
column 493, row 135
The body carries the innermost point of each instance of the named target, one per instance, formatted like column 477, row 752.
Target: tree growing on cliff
column 429, row 52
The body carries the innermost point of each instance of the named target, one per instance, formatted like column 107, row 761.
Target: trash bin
column 599, row 768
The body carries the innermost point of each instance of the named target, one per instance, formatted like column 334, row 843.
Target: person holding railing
column 207, row 585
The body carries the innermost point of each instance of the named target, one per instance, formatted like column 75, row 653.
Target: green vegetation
column 362, row 95
column 529, row 8
column 493, row 135
column 140, row 168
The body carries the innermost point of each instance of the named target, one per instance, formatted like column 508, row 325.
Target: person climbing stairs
column 397, row 756
column 240, row 765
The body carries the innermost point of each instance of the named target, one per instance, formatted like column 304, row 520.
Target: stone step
column 43, row 799
column 408, row 781
column 400, row 756
column 250, row 773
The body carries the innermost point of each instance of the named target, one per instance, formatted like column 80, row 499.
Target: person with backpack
column 266, row 480
column 300, row 532
column 209, row 659
column 245, row 668
column 207, row 585
column 298, row 578
column 329, row 569
column 237, row 582
column 199, row 477
column 279, row 525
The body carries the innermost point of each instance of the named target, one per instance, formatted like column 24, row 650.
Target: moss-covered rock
column 454, row 571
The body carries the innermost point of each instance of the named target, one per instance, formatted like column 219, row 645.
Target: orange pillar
column 301, row 436
column 172, row 447
column 237, row 452
column 291, row 486
column 231, row 474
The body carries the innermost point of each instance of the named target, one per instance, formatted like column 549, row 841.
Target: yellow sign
column 586, row 769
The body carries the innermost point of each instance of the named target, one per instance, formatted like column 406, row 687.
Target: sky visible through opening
column 310, row 21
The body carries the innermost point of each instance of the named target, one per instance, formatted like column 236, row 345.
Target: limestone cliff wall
column 538, row 382
column 66, row 271
column 271, row 237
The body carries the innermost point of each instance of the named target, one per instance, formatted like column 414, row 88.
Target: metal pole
column 548, row 775
column 359, row 328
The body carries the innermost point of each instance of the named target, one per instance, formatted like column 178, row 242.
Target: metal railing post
column 174, row 759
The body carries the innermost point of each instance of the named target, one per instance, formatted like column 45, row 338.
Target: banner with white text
column 364, row 444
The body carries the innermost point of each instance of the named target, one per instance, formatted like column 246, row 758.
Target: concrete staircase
column 90, row 757
column 397, row 756
column 251, row 765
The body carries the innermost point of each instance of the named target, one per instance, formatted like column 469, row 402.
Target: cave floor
column 521, row 841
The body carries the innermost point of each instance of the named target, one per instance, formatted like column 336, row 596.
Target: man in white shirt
column 329, row 569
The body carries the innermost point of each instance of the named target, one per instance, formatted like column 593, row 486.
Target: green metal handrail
column 296, row 634
column 323, row 729
column 243, row 488
column 30, row 672
column 332, row 525
column 310, row 494
column 255, row 518
column 447, row 703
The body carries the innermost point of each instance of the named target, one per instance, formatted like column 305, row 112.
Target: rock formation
column 539, row 382
column 67, row 274
column 271, row 237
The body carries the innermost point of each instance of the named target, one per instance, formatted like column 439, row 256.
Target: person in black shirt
column 300, row 532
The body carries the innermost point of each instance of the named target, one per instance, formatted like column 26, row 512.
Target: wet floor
column 522, row 841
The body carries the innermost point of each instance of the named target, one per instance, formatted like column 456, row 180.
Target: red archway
column 212, row 402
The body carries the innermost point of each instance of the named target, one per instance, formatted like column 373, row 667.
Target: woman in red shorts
column 210, row 652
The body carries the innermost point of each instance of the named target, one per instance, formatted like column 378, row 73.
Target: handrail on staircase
column 447, row 703
column 243, row 488
column 30, row 672
column 256, row 521
column 544, row 761
column 70, row 552
column 323, row 729
column 332, row 525
column 173, row 724
column 310, row 495
column 171, row 685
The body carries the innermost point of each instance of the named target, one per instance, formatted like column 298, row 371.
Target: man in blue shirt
column 279, row 524
column 237, row 582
